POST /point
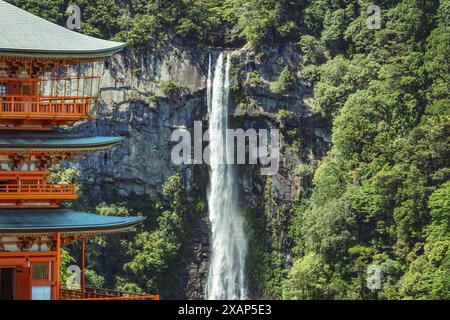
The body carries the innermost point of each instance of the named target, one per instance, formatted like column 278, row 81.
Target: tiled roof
column 62, row 220
column 52, row 140
column 24, row 34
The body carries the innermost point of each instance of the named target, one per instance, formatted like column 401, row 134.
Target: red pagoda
column 47, row 79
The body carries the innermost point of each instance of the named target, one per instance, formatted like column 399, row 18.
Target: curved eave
column 65, row 221
column 63, row 55
column 72, row 145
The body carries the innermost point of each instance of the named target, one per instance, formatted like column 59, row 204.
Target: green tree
column 309, row 278
column 157, row 256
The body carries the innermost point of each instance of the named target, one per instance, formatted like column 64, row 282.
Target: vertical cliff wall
column 145, row 95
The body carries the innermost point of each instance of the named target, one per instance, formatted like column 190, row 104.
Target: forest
column 381, row 194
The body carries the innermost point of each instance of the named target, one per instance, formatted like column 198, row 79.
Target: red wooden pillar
column 58, row 263
column 82, row 266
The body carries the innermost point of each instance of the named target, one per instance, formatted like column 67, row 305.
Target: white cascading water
column 226, row 277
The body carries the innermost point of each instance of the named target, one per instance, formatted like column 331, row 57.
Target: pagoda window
column 40, row 278
column 40, row 271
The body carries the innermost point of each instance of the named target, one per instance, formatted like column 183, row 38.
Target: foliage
column 380, row 196
column 285, row 82
column 157, row 254
column 93, row 279
column 154, row 23
column 133, row 96
column 313, row 51
column 116, row 209
column 254, row 79
column 170, row 88
column 283, row 114
column 303, row 170
column 152, row 99
column 428, row 276
column 66, row 261
column 63, row 174
column 309, row 278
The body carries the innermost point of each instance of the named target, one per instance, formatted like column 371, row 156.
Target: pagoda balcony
column 37, row 189
column 54, row 109
column 102, row 294
column 26, row 195
column 23, row 176
column 46, row 100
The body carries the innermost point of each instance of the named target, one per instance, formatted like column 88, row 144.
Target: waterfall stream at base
column 226, row 277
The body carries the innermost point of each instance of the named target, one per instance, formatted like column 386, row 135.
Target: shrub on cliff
column 285, row 82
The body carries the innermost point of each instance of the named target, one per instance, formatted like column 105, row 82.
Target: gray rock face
column 135, row 105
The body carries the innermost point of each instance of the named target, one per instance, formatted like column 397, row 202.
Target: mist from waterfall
column 226, row 277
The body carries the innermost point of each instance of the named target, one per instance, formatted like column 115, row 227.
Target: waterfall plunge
column 226, row 278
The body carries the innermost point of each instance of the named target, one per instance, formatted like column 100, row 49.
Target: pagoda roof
column 20, row 142
column 66, row 221
column 26, row 35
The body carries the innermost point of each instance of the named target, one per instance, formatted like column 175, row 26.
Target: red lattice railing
column 102, row 294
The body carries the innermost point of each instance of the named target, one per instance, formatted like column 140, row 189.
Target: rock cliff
column 145, row 95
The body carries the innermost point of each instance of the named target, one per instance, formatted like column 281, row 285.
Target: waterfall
column 209, row 84
column 226, row 277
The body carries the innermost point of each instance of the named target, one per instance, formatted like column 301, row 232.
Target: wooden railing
column 37, row 189
column 23, row 175
column 43, row 107
column 102, row 294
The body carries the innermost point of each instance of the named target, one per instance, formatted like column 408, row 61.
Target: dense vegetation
column 382, row 194
column 151, row 23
